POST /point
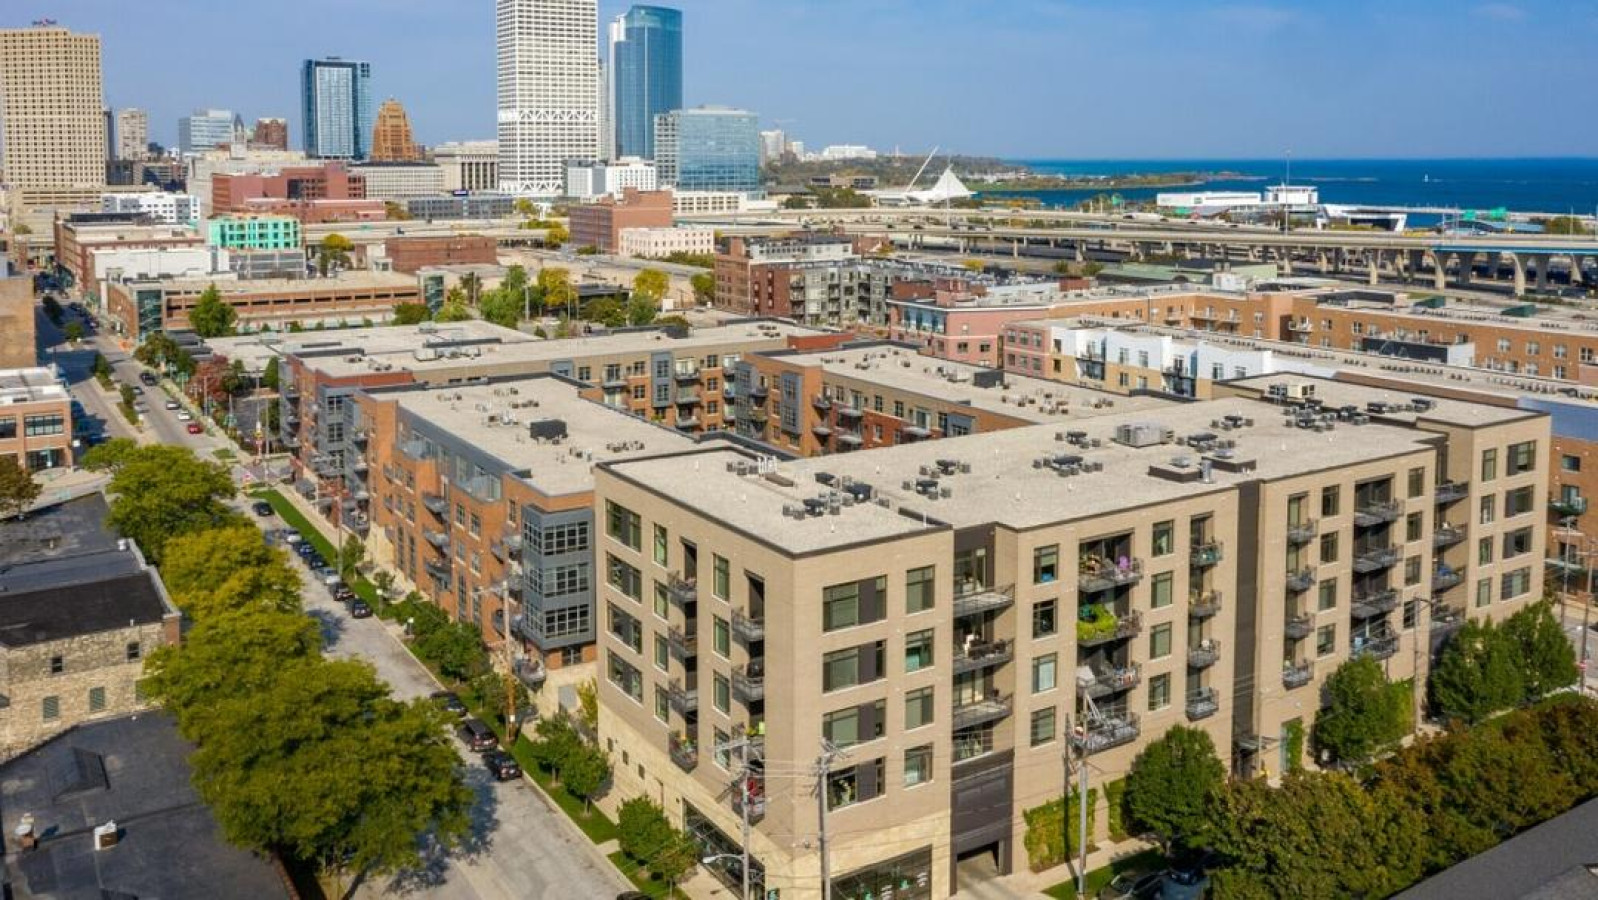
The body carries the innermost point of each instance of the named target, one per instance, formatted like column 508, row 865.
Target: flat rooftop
column 1391, row 403
column 900, row 368
column 133, row 771
column 1009, row 483
column 1049, row 296
column 379, row 340
column 34, row 385
column 73, row 529
column 494, row 418
column 354, row 279
column 116, row 232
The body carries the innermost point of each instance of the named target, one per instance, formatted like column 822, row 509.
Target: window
column 1484, row 592
column 662, row 601
column 1489, row 464
column 918, row 650
column 1159, row 691
column 920, row 589
column 1043, row 728
column 1161, row 592
column 58, row 664
column 622, row 524
column 662, row 550
column 1417, row 481
column 96, row 699
column 1327, row 598
column 918, row 765
column 1413, row 524
column 854, row 603
column 722, row 753
column 51, row 707
column 1411, row 613
column 1489, row 507
column 624, row 578
column 558, row 540
column 918, row 709
column 720, row 637
column 1045, row 618
column 721, row 692
column 1164, row 538
column 1522, row 458
column 856, row 784
column 854, row 666
column 855, row 725
column 135, row 652
column 721, row 580
column 1046, row 564
column 626, row 629
column 1568, row 463
column 662, row 653
column 1329, row 547
column 1325, row 640
column 1517, row 543
column 624, row 675
column 1484, row 551
column 1043, row 673
column 1518, row 502
column 1412, row 571
column 476, row 526
column 1331, row 499
column 1514, row 584
column 662, row 704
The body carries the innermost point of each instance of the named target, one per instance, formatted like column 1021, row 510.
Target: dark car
column 1132, row 885
column 477, row 736
column 360, row 609
column 343, row 594
column 449, row 702
column 501, row 765
column 147, row 378
column 262, row 508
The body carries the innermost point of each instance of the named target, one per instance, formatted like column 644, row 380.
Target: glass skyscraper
column 336, row 105
column 645, row 75
column 710, row 148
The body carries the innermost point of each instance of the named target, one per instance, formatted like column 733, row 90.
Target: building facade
column 205, row 129
column 336, row 108
column 132, row 134
column 412, row 254
column 18, row 349
column 270, row 133
column 644, row 76
column 77, row 241
column 591, row 180
column 254, row 233
column 653, row 243
column 400, row 180
column 472, row 206
column 600, row 224
column 160, row 206
column 392, row 140
column 469, row 165
column 709, row 148
column 138, row 309
column 548, row 90
column 35, row 419
column 51, row 117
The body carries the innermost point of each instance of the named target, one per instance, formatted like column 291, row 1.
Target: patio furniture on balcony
column 977, row 654
column 1107, row 732
column 1296, row 675
column 1207, row 653
column 1096, row 573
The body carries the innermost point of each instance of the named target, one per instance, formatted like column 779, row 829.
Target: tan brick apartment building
column 950, row 614
column 35, row 419
column 600, row 224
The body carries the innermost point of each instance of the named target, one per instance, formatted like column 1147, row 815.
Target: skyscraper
column 205, row 129
column 336, row 108
column 391, row 137
column 548, row 91
column 645, row 76
column 133, row 134
column 52, row 126
column 710, row 148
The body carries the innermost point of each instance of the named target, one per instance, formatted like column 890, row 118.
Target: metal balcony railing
column 1375, row 603
column 1451, row 491
column 746, row 628
column 439, row 569
column 682, row 699
column 1377, row 512
column 1202, row 703
column 821, row 402
column 1100, row 631
column 1302, row 532
column 531, row 673
column 1376, row 558
column 749, row 688
column 684, row 752
column 972, row 598
column 1565, row 507
column 1447, row 536
column 684, row 644
column 1204, row 605
column 1301, row 581
column 1379, row 648
column 435, row 504
column 977, row 712
column 1445, row 579
column 1097, row 574
column 1206, row 555
column 1104, row 684
column 1299, row 627
column 982, row 655
column 1204, row 655
column 1108, row 732
column 437, row 538
column 1296, row 675
column 682, row 590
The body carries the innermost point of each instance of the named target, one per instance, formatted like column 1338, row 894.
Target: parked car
column 185, row 416
column 360, row 609
column 148, row 378
column 502, row 765
column 261, row 508
column 343, row 594
column 138, row 391
column 195, row 428
column 1134, row 884
column 173, row 404
column 449, row 701
column 477, row 736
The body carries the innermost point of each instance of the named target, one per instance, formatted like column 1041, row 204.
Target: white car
column 173, row 404
column 184, row 416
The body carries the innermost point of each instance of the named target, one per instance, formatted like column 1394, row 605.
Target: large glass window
column 623, row 525
column 1045, row 618
column 920, row 589
column 918, row 650
column 624, row 578
column 1045, row 671
column 1043, row 728
column 1522, row 457
column 918, row 708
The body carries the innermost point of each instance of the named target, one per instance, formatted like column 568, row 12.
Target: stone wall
column 88, row 662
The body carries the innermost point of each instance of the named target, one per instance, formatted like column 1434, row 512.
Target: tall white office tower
column 548, row 92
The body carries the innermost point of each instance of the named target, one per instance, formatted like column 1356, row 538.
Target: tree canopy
column 651, row 284
column 1486, row 668
column 453, row 311
column 334, row 254
column 18, row 490
column 704, row 285
column 1171, row 784
column 212, row 316
column 225, row 569
column 1364, row 712
column 162, row 492
column 411, row 313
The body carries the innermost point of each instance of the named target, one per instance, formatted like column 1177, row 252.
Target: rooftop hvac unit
column 1143, row 434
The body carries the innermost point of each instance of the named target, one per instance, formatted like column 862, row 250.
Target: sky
column 1021, row 79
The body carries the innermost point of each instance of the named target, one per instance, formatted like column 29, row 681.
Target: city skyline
column 1026, row 100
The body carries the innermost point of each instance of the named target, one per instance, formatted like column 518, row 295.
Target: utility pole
column 741, row 744
column 823, row 774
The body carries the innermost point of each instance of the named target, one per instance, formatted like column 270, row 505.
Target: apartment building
column 482, row 497
column 876, row 394
column 915, row 609
column 138, row 309
column 77, row 239
column 600, row 223
column 18, row 347
column 412, row 254
column 52, row 121
column 35, row 419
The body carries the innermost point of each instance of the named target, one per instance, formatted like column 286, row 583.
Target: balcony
column 1105, row 627
column 1207, row 653
column 1097, row 574
column 1205, row 555
column 682, row 590
column 291, row 394
column 1377, row 648
column 757, row 801
column 1302, row 532
column 1567, row 506
column 530, row 672
column 1108, row 732
column 1445, row 578
column 361, row 436
column 684, row 752
column 758, row 415
column 978, row 712
column 1377, row 512
column 1115, row 681
column 1203, row 605
column 614, row 381
column 1451, row 492
column 1301, row 326
column 688, row 398
column 1202, row 703
column 846, row 411
column 1376, row 559
column 821, row 402
column 972, row 598
column 437, row 538
column 687, row 422
column 684, row 644
column 759, row 393
column 749, row 688
column 1299, row 627
column 507, row 548
column 748, row 629
column 435, row 504
column 686, row 373
column 1375, row 603
column 1296, row 675
column 682, row 699
column 439, row 569
column 982, row 655
column 1301, row 581
column 1447, row 536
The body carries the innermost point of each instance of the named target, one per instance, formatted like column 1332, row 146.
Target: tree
column 675, row 320
column 18, row 490
column 74, row 331
column 1364, row 712
column 209, row 381
column 676, row 858
column 212, row 316
column 642, row 829
column 1477, row 674
column 556, row 235
column 525, row 208
column 556, row 743
column 411, row 313
column 334, row 254
column 972, row 265
column 796, row 201
column 271, row 379
column 472, row 285
column 588, row 702
column 162, row 492
column 1172, row 784
column 1547, row 658
column 224, row 569
column 351, row 555
column 652, row 284
column 641, row 311
column 1564, row 225
column 383, row 580
column 555, row 285
column 704, row 285
column 515, row 281
column 607, row 311
column 457, row 650
column 502, row 307
column 395, row 212
column 110, row 456
column 585, row 772
column 453, row 311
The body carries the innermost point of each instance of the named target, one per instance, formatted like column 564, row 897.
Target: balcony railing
column 1202, row 703
column 684, row 644
column 1299, row 627
column 682, row 590
column 1296, row 675
column 688, row 398
column 1203, row 605
column 682, row 699
column 531, row 673
column 759, row 392
column 437, row 538
column 1376, row 559
column 439, row 569
column 1377, row 512
column 1206, row 555
column 1445, row 579
column 684, row 752
column 1302, row 532
column 1565, row 507
column 845, row 411
column 1104, row 629
column 1104, row 684
column 1451, row 491
column 1375, row 603
column 1097, row 574
column 1301, row 581
column 686, row 373
column 977, row 712
column 435, row 504
column 1204, row 655
column 1377, row 648
column 821, row 402
column 749, row 688
column 972, row 598
column 982, row 655
column 757, row 801
column 746, row 628
column 1447, row 536
column 1108, row 732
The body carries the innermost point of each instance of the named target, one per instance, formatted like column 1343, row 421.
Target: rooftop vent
column 1143, row 434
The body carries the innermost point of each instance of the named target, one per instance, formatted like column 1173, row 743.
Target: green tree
column 1564, row 225
column 588, row 703
column 411, row 314
column 515, row 280
column 271, row 378
column 334, row 254
column 651, row 283
column 796, row 201
column 607, row 311
column 453, row 311
column 556, row 235
column 102, row 369
column 585, row 773
column 395, row 212
column 675, row 320
column 642, row 829
column 74, row 331
column 1364, row 712
column 162, row 492
column 641, row 311
column 212, row 316
column 676, row 858
column 502, row 308
column 457, row 650
column 1477, row 674
column 351, row 555
column 555, row 744
column 1172, row 783
column 473, row 286
column 18, row 490
column 383, row 580
column 1547, row 658
column 222, row 569
column 704, row 285
column 110, row 456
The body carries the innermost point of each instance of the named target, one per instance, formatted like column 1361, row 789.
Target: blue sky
column 1019, row 78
